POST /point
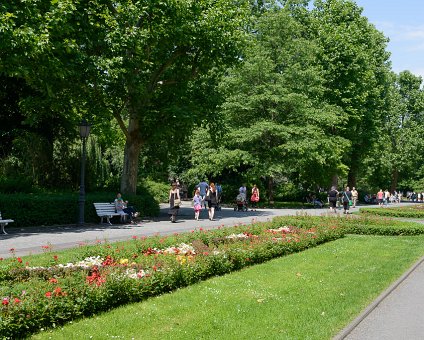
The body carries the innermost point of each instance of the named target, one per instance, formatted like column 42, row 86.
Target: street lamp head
column 84, row 129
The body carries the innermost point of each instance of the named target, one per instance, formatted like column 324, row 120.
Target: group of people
column 207, row 195
column 348, row 198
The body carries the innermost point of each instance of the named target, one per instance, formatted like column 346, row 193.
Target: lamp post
column 84, row 130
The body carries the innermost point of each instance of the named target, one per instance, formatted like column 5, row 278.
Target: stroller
column 241, row 203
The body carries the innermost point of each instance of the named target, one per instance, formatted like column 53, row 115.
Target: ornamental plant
column 46, row 293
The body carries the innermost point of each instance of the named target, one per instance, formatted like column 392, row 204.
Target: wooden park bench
column 107, row 210
column 4, row 223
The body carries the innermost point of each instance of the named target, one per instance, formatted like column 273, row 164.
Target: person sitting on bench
column 121, row 207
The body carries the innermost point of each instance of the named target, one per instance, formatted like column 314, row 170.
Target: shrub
column 416, row 211
column 45, row 209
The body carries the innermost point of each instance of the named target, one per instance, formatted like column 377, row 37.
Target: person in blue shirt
column 203, row 189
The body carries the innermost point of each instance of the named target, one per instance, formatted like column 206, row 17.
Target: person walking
column 254, row 199
column 354, row 197
column 197, row 204
column 347, row 198
column 174, row 202
column 212, row 199
column 332, row 198
column 380, row 197
column 203, row 188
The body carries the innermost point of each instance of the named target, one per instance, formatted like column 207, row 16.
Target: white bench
column 107, row 210
column 4, row 223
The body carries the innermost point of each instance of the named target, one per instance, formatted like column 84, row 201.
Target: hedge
column 45, row 209
column 416, row 211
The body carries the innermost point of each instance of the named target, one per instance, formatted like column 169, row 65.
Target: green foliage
column 407, row 212
column 45, row 209
column 159, row 191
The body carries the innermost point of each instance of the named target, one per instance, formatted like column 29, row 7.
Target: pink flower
column 17, row 300
column 5, row 301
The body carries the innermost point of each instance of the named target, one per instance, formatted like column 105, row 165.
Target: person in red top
column 380, row 197
column 255, row 197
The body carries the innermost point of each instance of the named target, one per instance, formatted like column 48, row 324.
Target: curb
column 347, row 330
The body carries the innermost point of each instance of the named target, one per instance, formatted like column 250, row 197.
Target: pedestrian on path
column 354, row 197
column 203, row 188
column 197, row 204
column 347, row 199
column 332, row 198
column 380, row 197
column 254, row 199
column 174, row 202
column 212, row 199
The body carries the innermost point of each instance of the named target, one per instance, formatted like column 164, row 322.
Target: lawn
column 310, row 295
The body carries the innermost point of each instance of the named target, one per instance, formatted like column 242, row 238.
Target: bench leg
column 2, row 228
column 108, row 220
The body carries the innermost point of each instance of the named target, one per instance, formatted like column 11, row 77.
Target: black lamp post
column 84, row 130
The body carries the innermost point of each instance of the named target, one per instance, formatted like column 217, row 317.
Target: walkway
column 397, row 314
column 28, row 241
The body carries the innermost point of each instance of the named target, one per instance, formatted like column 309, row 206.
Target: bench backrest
column 104, row 207
column 0, row 215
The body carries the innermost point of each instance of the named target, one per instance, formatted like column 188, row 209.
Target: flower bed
column 46, row 292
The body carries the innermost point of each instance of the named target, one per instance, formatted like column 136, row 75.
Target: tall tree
column 130, row 60
column 276, row 121
column 356, row 69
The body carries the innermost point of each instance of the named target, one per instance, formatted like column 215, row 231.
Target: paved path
column 28, row 241
column 397, row 314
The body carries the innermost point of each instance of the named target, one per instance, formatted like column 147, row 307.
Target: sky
column 402, row 21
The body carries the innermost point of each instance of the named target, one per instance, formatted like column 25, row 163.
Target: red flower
column 154, row 268
column 53, row 280
column 1, row 259
column 48, row 294
column 134, row 237
column 19, row 260
column 58, row 292
column 17, row 300
column 95, row 277
column 12, row 250
column 5, row 301
column 55, row 257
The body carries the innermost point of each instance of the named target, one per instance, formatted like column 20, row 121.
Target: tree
column 398, row 155
column 276, row 122
column 132, row 61
column 356, row 73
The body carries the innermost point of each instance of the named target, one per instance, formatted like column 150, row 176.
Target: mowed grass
column 308, row 295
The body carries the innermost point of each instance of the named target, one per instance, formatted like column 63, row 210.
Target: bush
column 416, row 211
column 15, row 185
column 159, row 191
column 52, row 209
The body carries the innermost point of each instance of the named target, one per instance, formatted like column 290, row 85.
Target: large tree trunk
column 335, row 181
column 270, row 189
column 133, row 146
column 395, row 177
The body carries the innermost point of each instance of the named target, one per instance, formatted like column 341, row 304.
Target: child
column 197, row 201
